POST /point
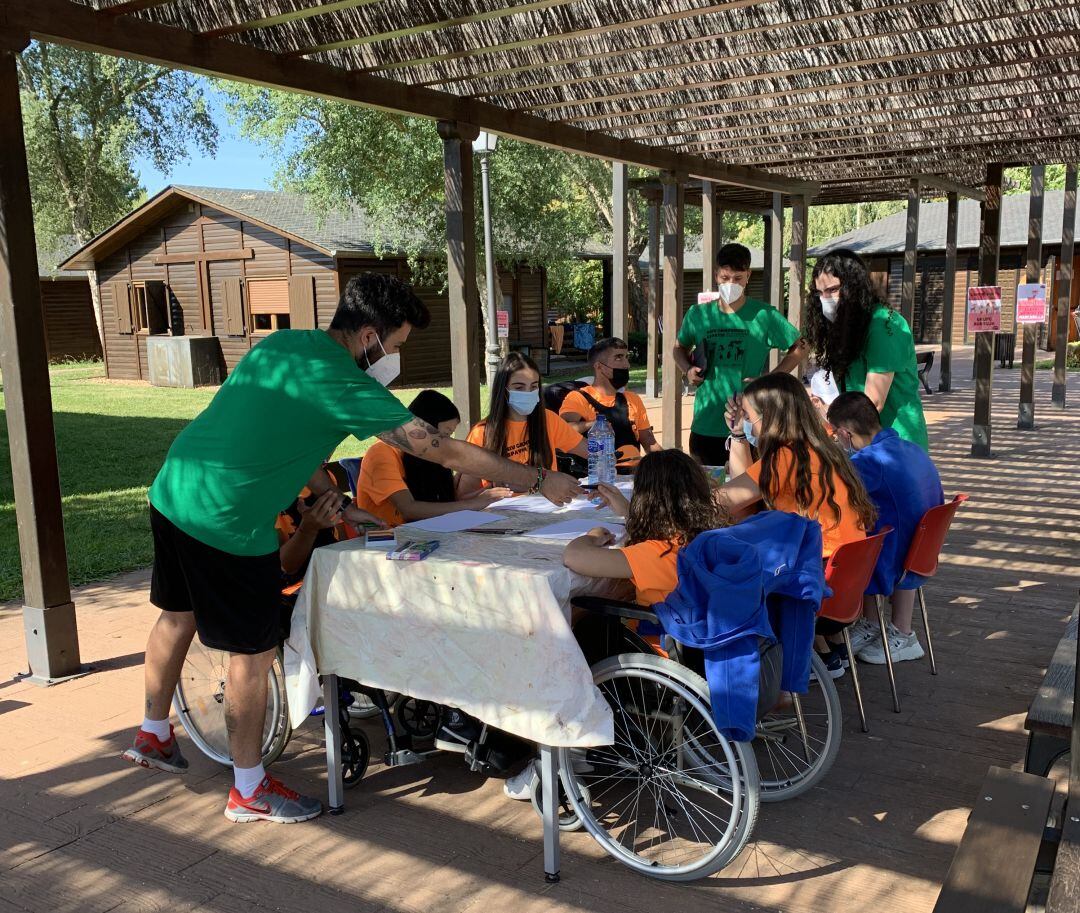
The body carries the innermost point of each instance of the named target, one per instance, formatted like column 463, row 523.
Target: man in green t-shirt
column 723, row 343
column 213, row 506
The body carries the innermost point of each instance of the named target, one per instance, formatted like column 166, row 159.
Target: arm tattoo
column 413, row 438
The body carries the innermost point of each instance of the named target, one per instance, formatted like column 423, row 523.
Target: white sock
column 158, row 728
column 247, row 779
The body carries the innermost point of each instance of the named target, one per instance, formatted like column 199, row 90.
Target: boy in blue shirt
column 904, row 485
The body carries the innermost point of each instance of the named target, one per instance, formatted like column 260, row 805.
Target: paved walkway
column 80, row 831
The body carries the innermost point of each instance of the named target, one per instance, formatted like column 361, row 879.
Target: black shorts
column 708, row 450
column 236, row 598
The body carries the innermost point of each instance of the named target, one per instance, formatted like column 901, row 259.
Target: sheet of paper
column 565, row 530
column 455, row 522
column 538, row 504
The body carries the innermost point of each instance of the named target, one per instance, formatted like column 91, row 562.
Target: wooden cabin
column 882, row 243
column 70, row 328
column 238, row 264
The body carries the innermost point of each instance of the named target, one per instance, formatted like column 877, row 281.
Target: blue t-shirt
column 904, row 485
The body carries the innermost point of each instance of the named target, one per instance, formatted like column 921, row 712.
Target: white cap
column 824, row 387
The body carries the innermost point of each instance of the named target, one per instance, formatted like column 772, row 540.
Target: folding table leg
column 549, row 784
column 332, row 728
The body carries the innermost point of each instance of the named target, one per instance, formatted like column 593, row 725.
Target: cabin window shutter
column 233, row 301
column 157, row 313
column 302, row 302
column 122, row 303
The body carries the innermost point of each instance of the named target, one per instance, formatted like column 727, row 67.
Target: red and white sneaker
column 272, row 801
column 149, row 751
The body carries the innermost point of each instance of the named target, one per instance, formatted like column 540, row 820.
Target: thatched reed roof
column 856, row 94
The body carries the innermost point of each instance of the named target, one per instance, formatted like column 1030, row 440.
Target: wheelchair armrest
column 613, row 608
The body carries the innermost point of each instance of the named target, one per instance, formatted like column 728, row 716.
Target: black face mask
column 620, row 377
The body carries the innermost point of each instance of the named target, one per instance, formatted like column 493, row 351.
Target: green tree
column 86, row 119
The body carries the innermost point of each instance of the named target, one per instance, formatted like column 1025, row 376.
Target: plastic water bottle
column 601, row 443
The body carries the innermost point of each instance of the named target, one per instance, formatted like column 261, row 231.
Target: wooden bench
column 924, row 361
column 1050, row 718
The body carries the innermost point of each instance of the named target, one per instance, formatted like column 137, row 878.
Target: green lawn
column 111, row 439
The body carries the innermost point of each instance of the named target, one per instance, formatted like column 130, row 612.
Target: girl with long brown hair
column 799, row 469
column 518, row 427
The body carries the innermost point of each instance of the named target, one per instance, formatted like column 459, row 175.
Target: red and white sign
column 1031, row 303
column 984, row 309
column 504, row 324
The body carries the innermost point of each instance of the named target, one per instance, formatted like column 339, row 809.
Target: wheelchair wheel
column 672, row 798
column 199, row 701
column 355, row 755
column 796, row 744
column 362, row 707
column 417, row 718
column 568, row 819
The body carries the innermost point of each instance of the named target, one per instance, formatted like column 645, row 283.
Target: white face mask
column 829, row 307
column 730, row 292
column 386, row 369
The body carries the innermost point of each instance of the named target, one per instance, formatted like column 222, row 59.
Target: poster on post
column 504, row 324
column 1031, row 303
column 984, row 309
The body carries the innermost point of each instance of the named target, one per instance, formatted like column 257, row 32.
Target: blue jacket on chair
column 761, row 578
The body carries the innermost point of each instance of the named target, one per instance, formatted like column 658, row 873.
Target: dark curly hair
column 838, row 343
column 673, row 500
column 381, row 302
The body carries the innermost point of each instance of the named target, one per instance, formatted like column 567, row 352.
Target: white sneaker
column 901, row 646
column 521, row 785
column 863, row 633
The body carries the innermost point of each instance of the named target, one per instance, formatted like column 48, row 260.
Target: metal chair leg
column 926, row 628
column 855, row 681
column 879, row 602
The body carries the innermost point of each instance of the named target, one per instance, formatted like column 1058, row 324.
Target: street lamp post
column 484, row 145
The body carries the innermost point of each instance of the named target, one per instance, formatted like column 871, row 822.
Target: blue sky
column 238, row 163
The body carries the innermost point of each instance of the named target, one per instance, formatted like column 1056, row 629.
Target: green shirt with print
column 284, row 408
column 890, row 348
column 737, row 345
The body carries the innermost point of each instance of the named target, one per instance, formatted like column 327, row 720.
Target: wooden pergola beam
column 948, row 290
column 710, row 215
column 620, row 277
column 911, row 254
column 670, row 382
column 1061, row 344
column 71, row 23
column 989, row 252
column 307, row 12
column 1025, row 419
column 940, row 182
column 795, row 72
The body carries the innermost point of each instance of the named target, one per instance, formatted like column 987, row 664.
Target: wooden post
column 461, row 268
column 674, row 198
column 620, row 276
column 774, row 259
column 1068, row 242
column 52, row 636
column 989, row 245
column 1025, row 419
column 911, row 253
column 800, row 211
column 710, row 236
column 652, row 388
column 948, row 292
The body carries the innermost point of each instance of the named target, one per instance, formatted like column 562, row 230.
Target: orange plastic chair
column 847, row 574
column 925, row 552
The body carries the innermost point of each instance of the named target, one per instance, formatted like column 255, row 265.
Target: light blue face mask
column 523, row 402
column 748, row 430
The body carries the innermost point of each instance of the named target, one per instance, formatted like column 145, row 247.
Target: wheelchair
column 673, row 798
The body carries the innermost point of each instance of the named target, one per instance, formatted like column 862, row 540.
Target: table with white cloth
column 482, row 624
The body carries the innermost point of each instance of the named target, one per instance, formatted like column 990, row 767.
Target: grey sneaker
column 901, row 646
column 272, row 801
column 862, row 634
column 150, row 752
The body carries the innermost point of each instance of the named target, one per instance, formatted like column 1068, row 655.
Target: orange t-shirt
column 560, row 436
column 835, row 531
column 653, row 566
column 639, row 415
column 382, row 474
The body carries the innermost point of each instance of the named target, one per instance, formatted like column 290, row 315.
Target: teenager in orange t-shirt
column 673, row 502
column 799, row 469
column 399, row 488
column 518, row 426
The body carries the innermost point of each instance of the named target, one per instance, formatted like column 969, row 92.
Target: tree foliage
column 87, row 118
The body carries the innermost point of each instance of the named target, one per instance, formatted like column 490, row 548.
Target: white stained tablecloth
column 482, row 625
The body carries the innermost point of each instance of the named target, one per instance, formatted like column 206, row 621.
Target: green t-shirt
column 285, row 407
column 736, row 346
column 890, row 347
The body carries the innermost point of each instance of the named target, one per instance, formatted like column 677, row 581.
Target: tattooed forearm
column 414, row 438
